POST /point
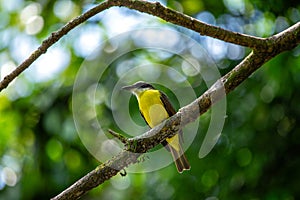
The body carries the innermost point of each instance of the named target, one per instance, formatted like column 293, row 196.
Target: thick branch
column 102, row 173
column 185, row 115
column 186, row 21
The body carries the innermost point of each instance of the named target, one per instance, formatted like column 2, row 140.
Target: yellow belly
column 152, row 108
column 154, row 112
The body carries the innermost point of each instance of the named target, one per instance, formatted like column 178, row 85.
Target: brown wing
column 165, row 100
column 170, row 110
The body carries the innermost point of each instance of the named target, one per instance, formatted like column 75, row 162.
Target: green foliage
column 41, row 154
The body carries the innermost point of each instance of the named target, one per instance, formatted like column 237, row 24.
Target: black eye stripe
column 144, row 86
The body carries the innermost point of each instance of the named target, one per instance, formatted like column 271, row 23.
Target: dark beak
column 129, row 87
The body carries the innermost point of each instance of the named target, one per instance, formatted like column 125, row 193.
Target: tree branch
column 102, row 173
column 52, row 39
column 155, row 9
column 175, row 17
column 138, row 145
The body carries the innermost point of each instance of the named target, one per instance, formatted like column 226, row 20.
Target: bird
column 155, row 107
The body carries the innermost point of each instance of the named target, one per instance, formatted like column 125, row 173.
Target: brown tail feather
column 180, row 160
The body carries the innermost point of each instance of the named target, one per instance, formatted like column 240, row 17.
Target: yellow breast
column 151, row 107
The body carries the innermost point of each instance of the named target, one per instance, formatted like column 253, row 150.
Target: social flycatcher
column 155, row 107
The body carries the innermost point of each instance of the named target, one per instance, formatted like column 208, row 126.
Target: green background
column 41, row 154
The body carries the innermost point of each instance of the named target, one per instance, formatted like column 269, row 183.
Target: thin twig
column 52, row 39
column 118, row 136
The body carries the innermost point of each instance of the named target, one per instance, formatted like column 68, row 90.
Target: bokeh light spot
column 7, row 68
column 65, row 9
column 34, row 25
column 190, row 67
column 165, row 190
column 29, row 11
column 237, row 181
column 72, row 159
column 244, row 157
column 210, row 178
column 235, row 6
column 9, row 176
column 267, row 93
column 54, row 150
column 284, row 126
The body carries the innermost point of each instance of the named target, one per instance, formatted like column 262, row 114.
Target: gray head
column 138, row 87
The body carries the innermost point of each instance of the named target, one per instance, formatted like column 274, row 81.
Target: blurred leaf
column 256, row 156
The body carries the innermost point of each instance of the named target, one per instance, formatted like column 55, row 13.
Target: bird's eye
column 144, row 86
